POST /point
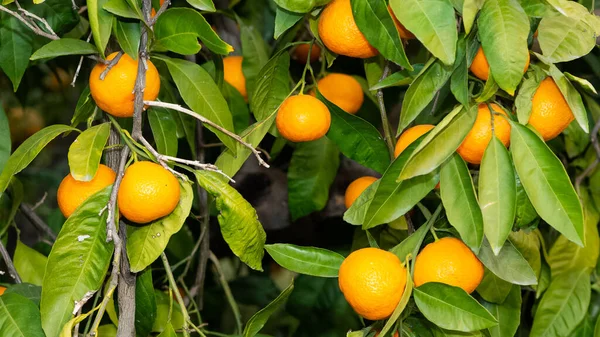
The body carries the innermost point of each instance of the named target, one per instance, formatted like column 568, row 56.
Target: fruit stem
column 306, row 67
column 384, row 120
column 432, row 230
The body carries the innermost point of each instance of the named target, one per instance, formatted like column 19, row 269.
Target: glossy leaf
column 523, row 101
column 432, row 22
column 128, row 35
column 408, row 289
column 312, row 170
column 64, row 47
column 84, row 108
column 285, row 20
column 202, row 95
column 356, row 138
column 459, row 82
column 272, row 86
column 376, row 23
column 306, row 260
column 452, row 308
column 525, row 213
column 399, row 78
column 203, row 5
column 300, row 6
column 122, row 9
column 163, row 127
column 529, row 245
column 169, row 331
column 29, row 291
column 178, row 30
column 86, row 151
column 585, row 84
column 146, row 243
column 101, row 22
column 410, row 244
column 77, row 263
column 145, row 303
column 492, row 288
column 30, row 264
column 422, row 90
column 16, row 48
column 27, row 152
column 564, row 38
column 238, row 220
column 258, row 320
column 469, row 12
column 546, row 182
column 489, row 90
column 508, row 314
column 563, row 306
column 508, row 265
column 19, row 317
column 497, row 193
column 5, row 142
column 355, row 215
column 255, row 52
column 502, row 28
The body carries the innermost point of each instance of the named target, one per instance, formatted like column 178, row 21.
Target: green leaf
column 203, row 5
column 285, row 20
column 452, row 308
column 30, row 264
column 523, row 101
column 528, row 244
column 163, row 127
column 258, row 320
column 391, row 199
column 546, row 182
column 101, row 22
column 178, row 30
column 440, row 143
column 497, row 193
column 508, row 265
column 459, row 82
column 564, row 38
column 597, row 329
column 272, row 86
column 86, row 151
column 145, row 303
column 300, row 6
column 238, row 107
column 402, row 304
column 460, row 201
column 492, row 288
column 508, row 314
column 375, row 22
column 85, row 107
column 77, row 263
column 238, row 220
column 128, row 35
column 356, row 138
column 563, row 306
column 5, row 142
column 29, row 291
column 202, row 95
column 469, row 12
column 422, row 90
column 312, row 170
column 168, row 331
column 585, row 84
column 256, row 54
column 146, row 243
column 489, row 90
column 525, row 211
column 408, row 245
column 121, row 8
column 27, row 152
column 572, row 97
column 399, row 78
column 19, row 317
column 356, row 214
column 64, row 47
column 503, row 32
column 306, row 260
column 432, row 22
column 15, row 50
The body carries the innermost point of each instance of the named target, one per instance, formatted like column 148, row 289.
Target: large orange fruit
column 114, row 94
column 356, row 188
column 448, row 261
column 342, row 90
column 72, row 193
column 232, row 68
column 409, row 136
column 480, row 67
column 302, row 118
column 373, row 282
column 550, row 112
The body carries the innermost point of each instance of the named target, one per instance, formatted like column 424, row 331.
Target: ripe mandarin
column 550, row 112
column 480, row 67
column 72, row 193
column 356, row 188
column 232, row 69
column 342, row 90
column 409, row 136
column 302, row 118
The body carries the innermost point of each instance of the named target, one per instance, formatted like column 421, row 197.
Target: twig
column 594, row 164
column 80, row 63
column 384, row 120
column 37, row 30
column 110, row 65
column 126, row 290
column 409, row 224
column 40, row 202
column 81, row 10
column 11, row 267
column 206, row 121
column 228, row 294
column 173, row 284
column 161, row 10
column 43, row 21
column 74, row 5
column 36, row 221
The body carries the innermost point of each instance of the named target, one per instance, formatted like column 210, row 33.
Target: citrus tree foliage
column 529, row 208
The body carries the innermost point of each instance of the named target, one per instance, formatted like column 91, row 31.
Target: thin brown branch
column 42, row 21
column 227, row 290
column 110, row 65
column 37, row 30
column 36, row 221
column 161, row 10
column 12, row 271
column 79, row 64
column 385, row 124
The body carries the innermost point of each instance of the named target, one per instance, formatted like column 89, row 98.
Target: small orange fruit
column 2, row 290
column 114, row 94
column 300, row 53
column 232, row 68
column 372, row 281
column 342, row 90
column 302, row 118
column 404, row 33
column 409, row 136
column 24, row 122
column 57, row 83
column 72, row 193
column 147, row 192
column 356, row 188
column 477, row 140
column 480, row 67
column 339, row 31
column 550, row 112
column 450, row 261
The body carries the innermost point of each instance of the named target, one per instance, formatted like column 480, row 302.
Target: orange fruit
column 153, row 13
column 23, row 123
column 302, row 118
column 404, row 33
column 114, row 94
column 2, row 290
column 409, row 136
column 474, row 144
column 300, row 53
column 480, row 67
column 339, row 31
column 550, row 112
column 232, row 68
column 450, row 261
column 342, row 90
column 356, row 188
column 372, row 281
column 72, row 193
column 147, row 192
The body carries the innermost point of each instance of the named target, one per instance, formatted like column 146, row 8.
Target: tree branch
column 9, row 263
column 228, row 294
column 385, row 124
column 161, row 10
column 37, row 30
column 36, row 221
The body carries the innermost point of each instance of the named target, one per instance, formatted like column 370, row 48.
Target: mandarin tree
column 299, row 168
